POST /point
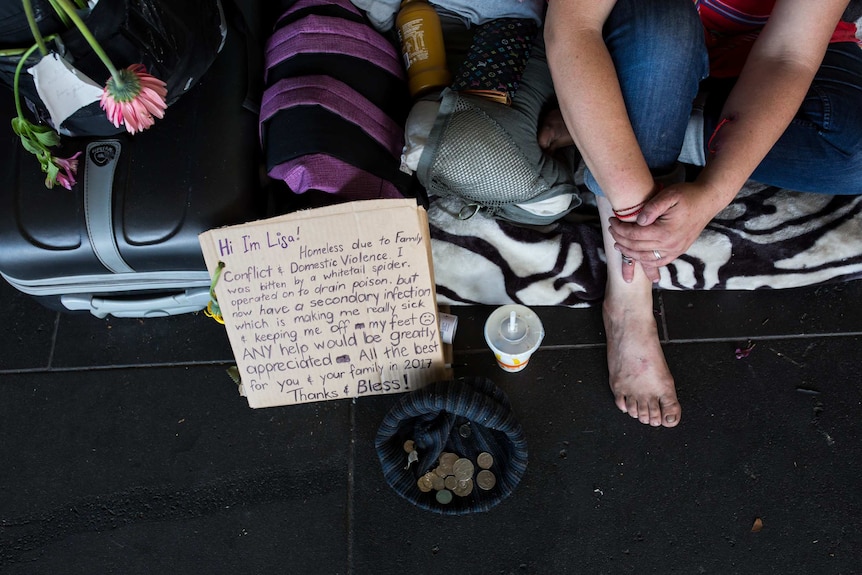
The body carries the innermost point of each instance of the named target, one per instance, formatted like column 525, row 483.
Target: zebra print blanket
column 766, row 238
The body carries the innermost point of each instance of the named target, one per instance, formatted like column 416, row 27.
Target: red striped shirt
column 732, row 26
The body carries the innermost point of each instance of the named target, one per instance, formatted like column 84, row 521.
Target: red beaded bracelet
column 629, row 216
column 627, row 213
column 622, row 213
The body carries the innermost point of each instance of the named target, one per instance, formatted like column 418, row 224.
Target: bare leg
column 639, row 376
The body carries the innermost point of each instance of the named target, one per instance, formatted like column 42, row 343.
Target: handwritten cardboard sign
column 329, row 303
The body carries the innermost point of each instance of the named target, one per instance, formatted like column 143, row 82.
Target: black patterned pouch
column 496, row 59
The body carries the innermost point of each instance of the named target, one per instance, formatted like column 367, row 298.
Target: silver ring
column 656, row 254
column 627, row 260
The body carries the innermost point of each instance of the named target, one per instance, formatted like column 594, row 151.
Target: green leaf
column 233, row 372
column 46, row 136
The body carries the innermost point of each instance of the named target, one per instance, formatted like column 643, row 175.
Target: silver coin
column 444, row 496
column 465, row 430
column 464, row 488
column 409, row 446
column 485, row 460
column 463, row 469
column 486, row 480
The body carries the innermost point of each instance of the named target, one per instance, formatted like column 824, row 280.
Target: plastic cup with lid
column 513, row 332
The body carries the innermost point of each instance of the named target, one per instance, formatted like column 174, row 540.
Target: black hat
column 466, row 417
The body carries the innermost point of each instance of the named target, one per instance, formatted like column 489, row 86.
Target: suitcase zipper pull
column 213, row 310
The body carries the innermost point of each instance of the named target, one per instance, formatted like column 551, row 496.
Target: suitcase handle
column 188, row 301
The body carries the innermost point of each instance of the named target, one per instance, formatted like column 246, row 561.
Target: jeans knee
column 657, row 43
column 666, row 29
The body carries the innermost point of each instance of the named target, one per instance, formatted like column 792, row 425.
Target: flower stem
column 91, row 40
column 63, row 18
column 34, row 27
column 15, row 81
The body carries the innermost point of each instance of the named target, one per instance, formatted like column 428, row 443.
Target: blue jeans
column 821, row 150
column 658, row 51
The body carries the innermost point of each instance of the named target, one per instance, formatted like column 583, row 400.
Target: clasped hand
column 666, row 228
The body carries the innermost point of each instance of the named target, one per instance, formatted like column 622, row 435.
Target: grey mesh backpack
column 481, row 152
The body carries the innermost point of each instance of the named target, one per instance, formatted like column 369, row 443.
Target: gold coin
column 463, row 469
column 450, row 482
column 444, row 496
column 424, row 483
column 464, row 488
column 485, row 460
column 448, row 459
column 486, row 480
column 441, row 471
column 409, row 446
column 437, row 482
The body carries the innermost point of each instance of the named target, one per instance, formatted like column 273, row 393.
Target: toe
column 632, row 406
column 654, row 414
column 670, row 413
column 644, row 411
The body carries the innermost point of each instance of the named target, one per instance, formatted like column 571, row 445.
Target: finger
column 657, row 206
column 623, row 233
column 647, row 262
column 651, row 264
column 642, row 252
column 628, row 271
column 630, row 233
column 653, row 257
column 627, row 267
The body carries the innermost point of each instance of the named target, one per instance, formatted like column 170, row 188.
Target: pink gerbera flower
column 133, row 98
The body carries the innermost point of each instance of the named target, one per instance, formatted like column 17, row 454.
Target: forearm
column 769, row 92
column 758, row 111
column 592, row 106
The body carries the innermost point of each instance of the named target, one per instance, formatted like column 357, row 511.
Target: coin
column 465, row 430
column 450, row 482
column 442, row 471
column 486, row 480
column 444, row 496
column 463, row 469
column 425, row 483
column 485, row 460
column 464, row 488
column 437, row 482
column 448, row 459
column 409, row 446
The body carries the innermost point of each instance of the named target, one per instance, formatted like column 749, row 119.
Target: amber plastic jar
column 422, row 46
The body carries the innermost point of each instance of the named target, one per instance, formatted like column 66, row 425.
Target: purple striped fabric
column 331, row 175
column 322, row 34
column 340, row 99
column 302, row 4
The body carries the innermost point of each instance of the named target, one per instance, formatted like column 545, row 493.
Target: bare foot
column 640, row 379
column 553, row 133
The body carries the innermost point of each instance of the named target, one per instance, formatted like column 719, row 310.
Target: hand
column 669, row 224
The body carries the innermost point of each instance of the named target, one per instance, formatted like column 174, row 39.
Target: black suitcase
column 124, row 240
